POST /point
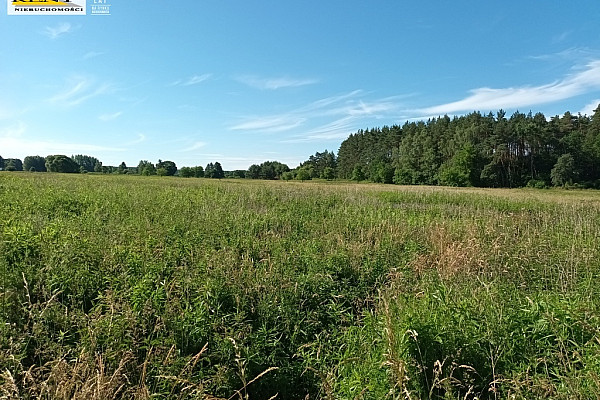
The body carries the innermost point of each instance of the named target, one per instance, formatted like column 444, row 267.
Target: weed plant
column 148, row 287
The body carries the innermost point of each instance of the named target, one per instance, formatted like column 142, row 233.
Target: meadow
column 170, row 288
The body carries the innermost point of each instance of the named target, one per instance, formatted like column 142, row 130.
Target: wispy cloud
column 572, row 54
column 324, row 103
column 196, row 79
column 270, row 124
column 274, row 83
column 362, row 108
column 192, row 80
column 580, row 82
column 195, row 146
column 110, row 117
column 79, row 90
column 329, row 118
column 338, row 129
column 54, row 32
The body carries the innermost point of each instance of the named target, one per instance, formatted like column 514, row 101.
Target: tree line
column 490, row 150
column 478, row 150
column 83, row 164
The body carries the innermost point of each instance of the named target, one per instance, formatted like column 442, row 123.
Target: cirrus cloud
column 580, row 82
column 54, row 32
column 273, row 83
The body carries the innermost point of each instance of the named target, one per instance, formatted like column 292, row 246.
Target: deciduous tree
column 169, row 167
column 34, row 163
column 61, row 163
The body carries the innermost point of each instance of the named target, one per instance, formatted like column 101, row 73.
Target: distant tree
column 564, row 170
column 209, row 171
column 1, row 163
column 169, row 166
column 98, row 167
column 319, row 162
column 328, row 173
column 358, row 174
column 303, row 174
column 61, row 163
column 122, row 168
column 13, row 164
column 198, row 171
column 270, row 170
column 218, row 173
column 288, row 176
column 253, row 172
column 87, row 162
column 267, row 171
column 9, row 165
column 146, row 168
column 161, row 172
column 459, row 171
column 239, row 173
column 186, row 172
column 37, row 163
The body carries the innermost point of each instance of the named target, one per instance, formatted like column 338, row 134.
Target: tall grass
column 146, row 287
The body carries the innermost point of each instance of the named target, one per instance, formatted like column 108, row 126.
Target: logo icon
column 100, row 7
column 46, row 7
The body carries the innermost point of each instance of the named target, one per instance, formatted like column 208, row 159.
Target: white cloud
column 274, row 83
column 196, row 79
column 110, row 117
column 271, row 124
column 58, row 30
column 329, row 118
column 192, row 80
column 339, row 129
column 570, row 54
column 79, row 90
column 583, row 81
column 327, row 101
column 590, row 107
column 362, row 108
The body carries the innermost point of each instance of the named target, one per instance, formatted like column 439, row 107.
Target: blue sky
column 242, row 82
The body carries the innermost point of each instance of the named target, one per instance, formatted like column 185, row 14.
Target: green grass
column 147, row 287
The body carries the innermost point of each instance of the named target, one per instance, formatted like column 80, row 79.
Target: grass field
column 148, row 287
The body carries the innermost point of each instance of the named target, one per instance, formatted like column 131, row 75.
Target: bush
column 537, row 184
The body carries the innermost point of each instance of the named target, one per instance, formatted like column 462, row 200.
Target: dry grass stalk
column 77, row 379
column 451, row 257
column 8, row 388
